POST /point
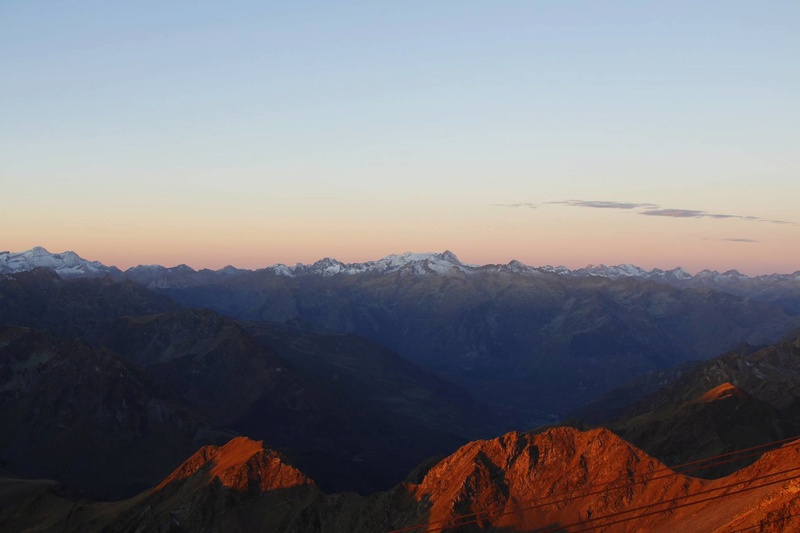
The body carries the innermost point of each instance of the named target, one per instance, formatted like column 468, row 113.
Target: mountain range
column 369, row 397
column 69, row 264
column 534, row 342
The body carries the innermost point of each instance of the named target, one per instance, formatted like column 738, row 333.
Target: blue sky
column 153, row 132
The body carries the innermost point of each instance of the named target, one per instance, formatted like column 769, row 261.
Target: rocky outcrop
column 223, row 488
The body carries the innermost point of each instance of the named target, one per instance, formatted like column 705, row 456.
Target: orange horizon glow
column 256, row 259
column 477, row 232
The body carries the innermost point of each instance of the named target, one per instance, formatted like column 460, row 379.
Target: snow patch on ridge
column 445, row 263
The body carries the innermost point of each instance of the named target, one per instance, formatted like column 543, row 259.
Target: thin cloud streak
column 674, row 213
column 600, row 204
column 740, row 240
column 693, row 213
column 521, row 204
column 654, row 210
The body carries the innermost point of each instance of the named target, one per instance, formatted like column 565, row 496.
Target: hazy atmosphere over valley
column 399, row 266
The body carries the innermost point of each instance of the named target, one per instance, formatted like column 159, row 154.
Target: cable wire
column 689, row 504
column 762, row 524
column 700, row 464
column 649, row 506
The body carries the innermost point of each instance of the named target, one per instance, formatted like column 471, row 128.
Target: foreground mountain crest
column 504, row 477
column 241, row 464
column 560, row 479
column 216, row 489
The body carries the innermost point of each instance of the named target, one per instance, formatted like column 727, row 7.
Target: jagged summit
column 627, row 270
column 414, row 263
column 241, row 464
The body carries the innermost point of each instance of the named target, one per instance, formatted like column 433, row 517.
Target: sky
column 254, row 132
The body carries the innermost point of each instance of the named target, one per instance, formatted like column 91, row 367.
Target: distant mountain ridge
column 66, row 264
column 70, row 264
column 530, row 340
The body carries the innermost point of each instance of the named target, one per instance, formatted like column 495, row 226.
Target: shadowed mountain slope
column 87, row 418
column 740, row 399
column 534, row 342
column 79, row 307
column 544, row 343
column 351, row 413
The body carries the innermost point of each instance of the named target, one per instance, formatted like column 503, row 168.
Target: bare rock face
column 768, row 498
column 229, row 488
column 593, row 480
column 561, row 476
column 241, row 464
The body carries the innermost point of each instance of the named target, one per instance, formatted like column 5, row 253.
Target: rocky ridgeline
column 560, row 478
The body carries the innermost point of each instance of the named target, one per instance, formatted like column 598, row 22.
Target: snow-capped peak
column 680, row 273
column 613, row 272
column 416, row 263
column 65, row 264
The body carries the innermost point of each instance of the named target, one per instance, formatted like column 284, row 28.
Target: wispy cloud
column 693, row 213
column 675, row 213
column 740, row 240
column 602, row 204
column 521, row 204
column 655, row 210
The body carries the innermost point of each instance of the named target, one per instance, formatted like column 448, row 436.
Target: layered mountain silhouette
column 743, row 398
column 532, row 344
column 339, row 405
column 540, row 343
column 350, row 397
